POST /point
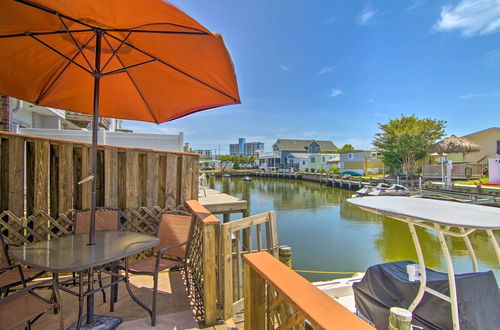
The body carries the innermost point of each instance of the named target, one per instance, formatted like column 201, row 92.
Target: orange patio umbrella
column 139, row 60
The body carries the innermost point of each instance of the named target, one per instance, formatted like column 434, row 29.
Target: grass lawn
column 473, row 182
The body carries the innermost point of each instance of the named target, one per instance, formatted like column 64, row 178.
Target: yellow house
column 489, row 141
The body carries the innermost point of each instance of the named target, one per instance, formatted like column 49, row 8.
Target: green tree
column 346, row 147
column 405, row 140
column 225, row 160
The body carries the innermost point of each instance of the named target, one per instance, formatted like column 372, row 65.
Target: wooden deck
column 221, row 203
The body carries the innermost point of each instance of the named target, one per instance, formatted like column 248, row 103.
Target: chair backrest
column 175, row 228
column 105, row 219
column 4, row 253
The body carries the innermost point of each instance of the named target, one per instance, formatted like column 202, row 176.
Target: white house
column 321, row 161
column 27, row 118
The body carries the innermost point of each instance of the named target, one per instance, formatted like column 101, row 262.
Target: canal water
column 328, row 234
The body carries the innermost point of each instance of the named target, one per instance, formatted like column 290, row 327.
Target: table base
column 101, row 322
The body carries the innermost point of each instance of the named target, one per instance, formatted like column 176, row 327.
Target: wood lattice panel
column 195, row 264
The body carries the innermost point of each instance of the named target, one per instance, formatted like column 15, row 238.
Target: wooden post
column 399, row 319
column 110, row 177
column 210, row 273
column 255, row 299
column 16, row 176
column 247, row 240
column 41, row 175
column 85, row 172
column 132, row 187
column 153, row 159
column 211, row 181
column 285, row 255
column 65, row 177
column 171, row 182
column 227, row 261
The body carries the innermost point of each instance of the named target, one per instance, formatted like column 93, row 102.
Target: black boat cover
column 387, row 285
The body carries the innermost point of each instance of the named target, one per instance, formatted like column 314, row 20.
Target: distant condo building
column 245, row 148
column 204, row 153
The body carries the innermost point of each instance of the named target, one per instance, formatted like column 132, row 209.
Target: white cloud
column 366, row 16
column 471, row 17
column 475, row 95
column 335, row 92
column 327, row 69
column 285, row 67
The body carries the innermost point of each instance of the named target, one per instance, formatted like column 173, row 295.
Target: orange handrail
column 316, row 306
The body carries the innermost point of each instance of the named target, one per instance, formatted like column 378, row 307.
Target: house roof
column 301, row 145
column 482, row 131
column 353, row 151
column 297, row 155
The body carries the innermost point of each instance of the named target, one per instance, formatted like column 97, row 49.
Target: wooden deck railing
column 277, row 297
column 203, row 262
column 236, row 239
column 42, row 174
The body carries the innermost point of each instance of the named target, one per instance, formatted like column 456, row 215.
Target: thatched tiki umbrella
column 454, row 144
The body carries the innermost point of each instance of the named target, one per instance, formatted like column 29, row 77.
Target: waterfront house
column 29, row 119
column 489, row 141
column 286, row 146
column 320, row 162
column 297, row 161
column 362, row 162
column 268, row 161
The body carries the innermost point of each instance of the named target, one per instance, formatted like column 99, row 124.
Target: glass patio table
column 73, row 254
column 446, row 218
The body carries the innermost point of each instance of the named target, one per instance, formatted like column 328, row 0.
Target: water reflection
column 327, row 233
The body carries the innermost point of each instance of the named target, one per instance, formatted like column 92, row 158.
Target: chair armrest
column 160, row 251
column 19, row 268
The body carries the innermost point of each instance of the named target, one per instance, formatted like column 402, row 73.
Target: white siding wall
column 170, row 142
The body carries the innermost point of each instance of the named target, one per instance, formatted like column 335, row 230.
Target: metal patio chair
column 174, row 231
column 10, row 277
column 24, row 305
column 105, row 219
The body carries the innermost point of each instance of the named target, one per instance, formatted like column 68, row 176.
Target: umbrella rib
column 176, row 69
column 115, row 50
column 159, row 32
column 125, row 68
column 58, row 52
column 133, row 82
column 27, row 34
column 49, row 86
column 75, row 42
column 53, row 12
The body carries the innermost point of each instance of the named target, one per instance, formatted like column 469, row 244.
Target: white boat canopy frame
column 446, row 218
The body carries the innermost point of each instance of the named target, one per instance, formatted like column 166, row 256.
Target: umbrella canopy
column 454, row 144
column 156, row 63
column 139, row 60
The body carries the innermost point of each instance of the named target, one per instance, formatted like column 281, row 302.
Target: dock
column 220, row 203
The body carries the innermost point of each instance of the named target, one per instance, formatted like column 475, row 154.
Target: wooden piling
column 399, row 319
column 285, row 255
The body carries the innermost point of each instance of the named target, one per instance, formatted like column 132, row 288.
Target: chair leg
column 99, row 277
column 155, row 293
column 80, row 301
column 187, row 278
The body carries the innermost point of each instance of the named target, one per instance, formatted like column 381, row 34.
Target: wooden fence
column 278, row 298
column 42, row 174
column 236, row 239
column 459, row 171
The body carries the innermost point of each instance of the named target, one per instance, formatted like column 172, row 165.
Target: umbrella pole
column 95, row 132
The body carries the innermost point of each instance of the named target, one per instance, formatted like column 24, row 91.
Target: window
column 373, row 154
column 350, row 156
column 303, row 162
column 313, row 159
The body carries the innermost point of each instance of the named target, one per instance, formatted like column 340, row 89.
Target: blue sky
column 333, row 69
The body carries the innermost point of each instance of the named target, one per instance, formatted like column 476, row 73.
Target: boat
column 226, row 175
column 247, row 178
column 383, row 189
column 341, row 290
